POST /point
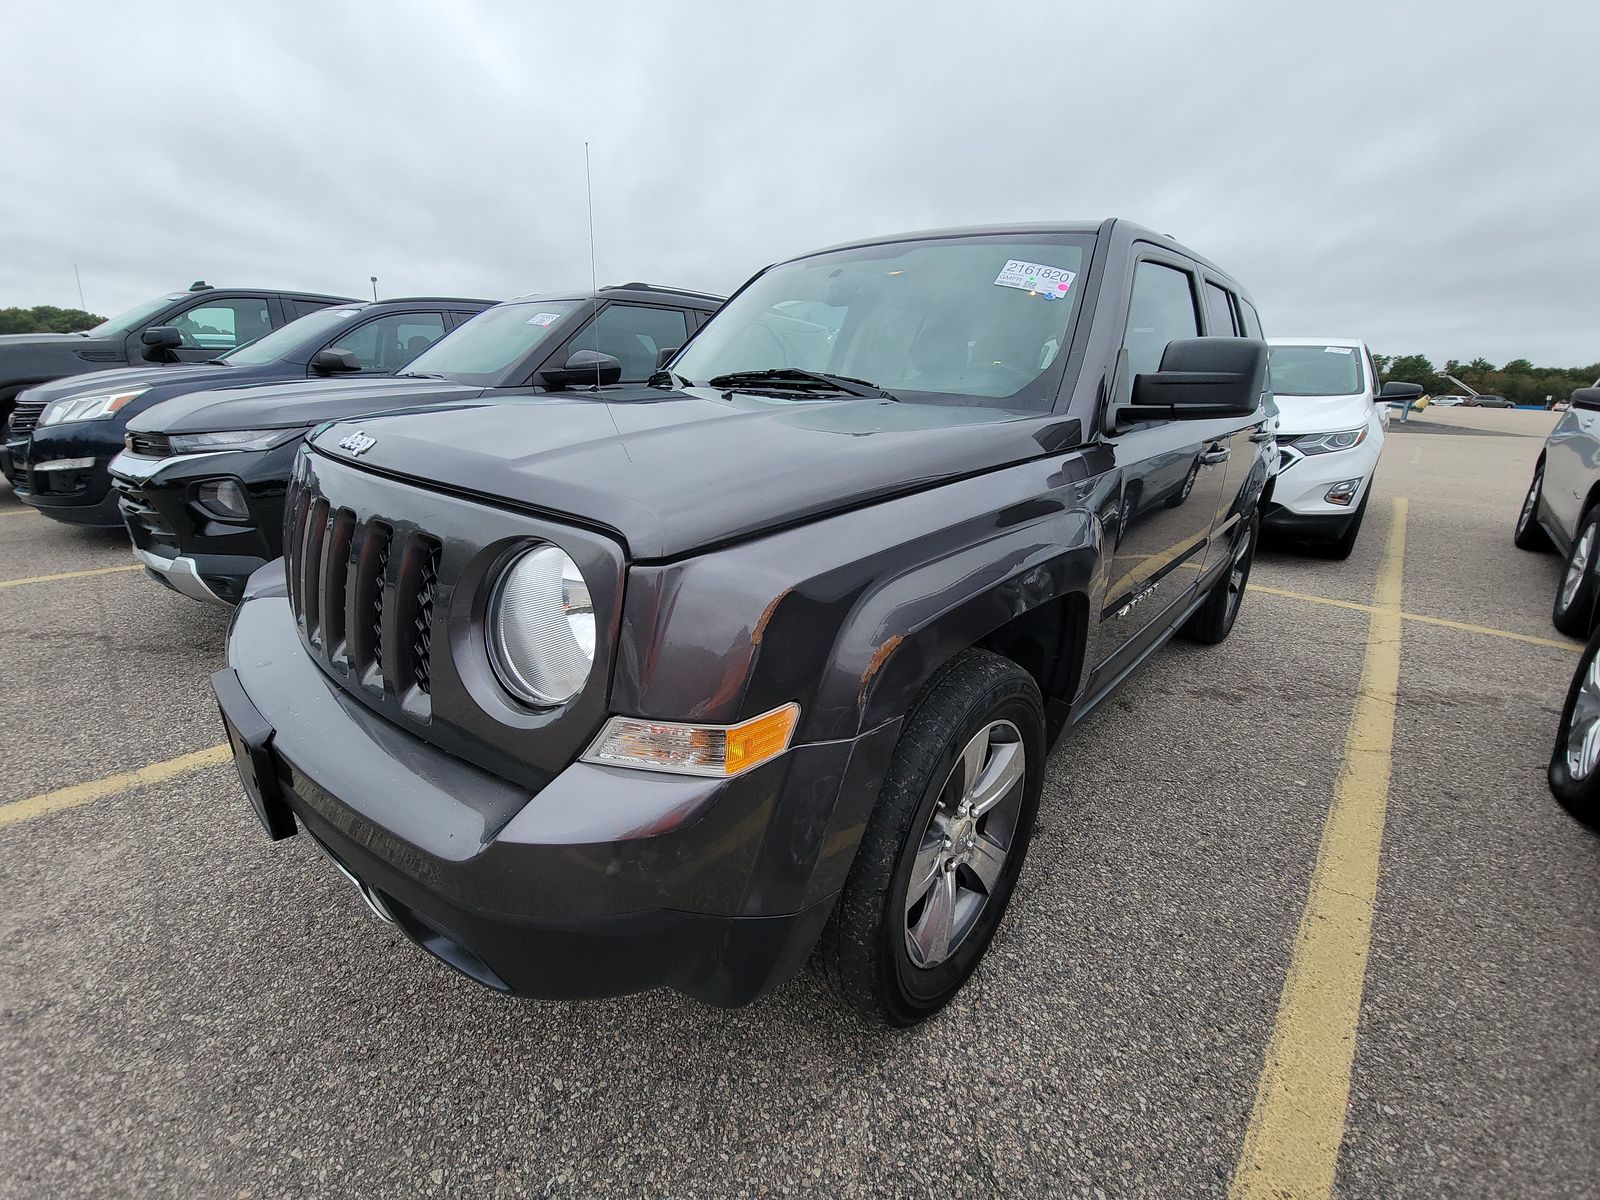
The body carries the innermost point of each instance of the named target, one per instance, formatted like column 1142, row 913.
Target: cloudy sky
column 1423, row 175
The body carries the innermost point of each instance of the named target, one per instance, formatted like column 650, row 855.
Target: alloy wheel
column 1577, row 566
column 1583, row 733
column 1238, row 574
column 1529, row 504
column 963, row 849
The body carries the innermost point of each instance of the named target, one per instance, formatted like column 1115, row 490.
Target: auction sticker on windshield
column 544, row 319
column 1052, row 282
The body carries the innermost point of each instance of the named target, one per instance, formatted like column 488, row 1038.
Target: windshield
column 1316, row 370
column 134, row 317
column 943, row 320
column 273, row 347
column 480, row 351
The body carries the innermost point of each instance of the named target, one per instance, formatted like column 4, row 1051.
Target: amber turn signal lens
column 720, row 751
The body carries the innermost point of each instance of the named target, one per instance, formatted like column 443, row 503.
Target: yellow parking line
column 1291, row 1146
column 21, row 512
column 111, row 785
column 1442, row 622
column 1416, row 456
column 11, row 583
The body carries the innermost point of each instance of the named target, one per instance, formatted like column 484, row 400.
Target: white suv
column 1330, row 434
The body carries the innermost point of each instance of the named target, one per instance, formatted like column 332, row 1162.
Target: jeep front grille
column 363, row 596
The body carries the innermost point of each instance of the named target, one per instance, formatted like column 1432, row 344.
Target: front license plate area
column 251, row 738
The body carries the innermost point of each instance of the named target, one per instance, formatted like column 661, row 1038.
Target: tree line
column 1518, row 381
column 46, row 318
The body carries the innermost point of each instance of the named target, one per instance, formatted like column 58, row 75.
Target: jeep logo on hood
column 358, row 444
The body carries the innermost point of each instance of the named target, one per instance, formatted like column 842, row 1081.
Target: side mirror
column 664, row 355
column 584, row 368
column 159, row 342
column 335, row 362
column 1202, row 378
column 1395, row 390
column 1586, row 398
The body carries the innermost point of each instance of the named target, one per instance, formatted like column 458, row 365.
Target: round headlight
column 541, row 627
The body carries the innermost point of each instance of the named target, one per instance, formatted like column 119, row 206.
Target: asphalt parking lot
column 188, row 1010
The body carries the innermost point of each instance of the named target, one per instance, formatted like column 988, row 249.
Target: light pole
column 374, row 287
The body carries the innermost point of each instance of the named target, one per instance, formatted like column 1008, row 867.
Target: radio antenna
column 594, row 277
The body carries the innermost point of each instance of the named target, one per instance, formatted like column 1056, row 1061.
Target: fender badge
column 358, row 444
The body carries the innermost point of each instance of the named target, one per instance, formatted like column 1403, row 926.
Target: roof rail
column 638, row 286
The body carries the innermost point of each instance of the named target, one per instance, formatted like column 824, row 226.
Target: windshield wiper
column 419, row 375
column 216, row 362
column 808, row 381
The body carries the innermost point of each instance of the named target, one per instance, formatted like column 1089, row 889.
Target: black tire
column 1341, row 547
column 1213, row 620
column 1577, row 788
column 864, row 954
column 1529, row 534
column 1573, row 611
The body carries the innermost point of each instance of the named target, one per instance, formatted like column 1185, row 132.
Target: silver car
column 1562, row 510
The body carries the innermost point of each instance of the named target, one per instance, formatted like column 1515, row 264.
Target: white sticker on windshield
column 1338, row 349
column 1052, row 283
column 544, row 320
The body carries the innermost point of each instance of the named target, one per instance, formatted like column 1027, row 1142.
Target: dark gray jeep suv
column 678, row 685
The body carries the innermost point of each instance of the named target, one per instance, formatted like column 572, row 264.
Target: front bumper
column 79, row 495
column 1298, row 504
column 183, row 546
column 605, row 882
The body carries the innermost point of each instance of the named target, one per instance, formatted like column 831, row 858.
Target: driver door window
column 1161, row 311
column 390, row 342
column 633, row 335
column 221, row 325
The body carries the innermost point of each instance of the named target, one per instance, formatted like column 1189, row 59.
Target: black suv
column 66, row 433
column 202, row 481
column 674, row 685
column 190, row 326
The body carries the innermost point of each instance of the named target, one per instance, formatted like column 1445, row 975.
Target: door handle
column 1214, row 455
column 1261, row 435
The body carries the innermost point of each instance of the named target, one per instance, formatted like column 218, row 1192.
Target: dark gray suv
column 676, row 685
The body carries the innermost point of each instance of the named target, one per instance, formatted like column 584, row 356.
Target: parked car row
column 195, row 459
column 622, row 641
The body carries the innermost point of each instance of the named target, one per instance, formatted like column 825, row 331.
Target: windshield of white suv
column 479, row 352
column 271, row 347
column 129, row 321
column 943, row 320
column 1316, row 370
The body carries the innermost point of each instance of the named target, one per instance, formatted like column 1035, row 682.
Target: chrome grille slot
column 334, row 582
column 422, row 620
column 364, row 604
column 311, row 569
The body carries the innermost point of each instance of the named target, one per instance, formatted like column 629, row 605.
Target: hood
column 672, row 472
column 282, row 404
column 1322, row 414
column 75, row 340
column 121, row 379
column 25, row 356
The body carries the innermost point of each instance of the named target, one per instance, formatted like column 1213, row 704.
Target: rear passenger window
column 1162, row 311
column 634, row 336
column 1219, row 312
column 390, row 342
column 1252, row 323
